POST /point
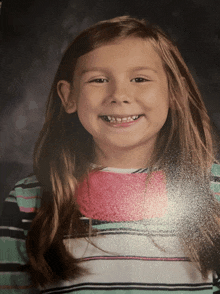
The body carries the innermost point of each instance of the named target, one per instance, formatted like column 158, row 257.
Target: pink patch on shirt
column 27, row 209
column 122, row 197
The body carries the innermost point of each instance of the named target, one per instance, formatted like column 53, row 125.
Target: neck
column 135, row 158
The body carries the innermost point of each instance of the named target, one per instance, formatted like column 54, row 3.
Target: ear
column 66, row 96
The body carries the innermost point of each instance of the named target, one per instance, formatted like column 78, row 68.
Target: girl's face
column 120, row 92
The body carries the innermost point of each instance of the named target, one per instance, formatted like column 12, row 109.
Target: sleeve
column 13, row 249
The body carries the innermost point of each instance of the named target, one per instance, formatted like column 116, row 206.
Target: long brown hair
column 184, row 150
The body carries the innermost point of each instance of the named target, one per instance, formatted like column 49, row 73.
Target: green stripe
column 15, row 280
column 25, row 232
column 217, row 197
column 12, row 251
column 122, row 225
column 215, row 170
column 30, row 192
column 215, row 187
column 10, row 199
column 215, row 288
column 28, row 180
column 137, row 226
column 12, row 193
column 29, row 203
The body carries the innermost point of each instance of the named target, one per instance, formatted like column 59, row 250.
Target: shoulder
column 27, row 194
column 215, row 180
column 28, row 183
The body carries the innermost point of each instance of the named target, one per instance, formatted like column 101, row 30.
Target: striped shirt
column 131, row 255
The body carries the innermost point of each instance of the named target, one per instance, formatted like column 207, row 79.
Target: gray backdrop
column 34, row 35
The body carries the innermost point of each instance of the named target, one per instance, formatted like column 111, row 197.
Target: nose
column 119, row 93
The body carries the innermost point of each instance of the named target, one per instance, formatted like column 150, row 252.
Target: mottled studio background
column 35, row 33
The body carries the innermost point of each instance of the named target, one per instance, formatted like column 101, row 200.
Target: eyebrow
column 137, row 68
column 144, row 68
column 91, row 69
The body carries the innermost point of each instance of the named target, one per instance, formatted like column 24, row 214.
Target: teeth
column 113, row 119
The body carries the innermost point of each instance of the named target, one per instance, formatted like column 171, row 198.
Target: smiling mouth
column 115, row 119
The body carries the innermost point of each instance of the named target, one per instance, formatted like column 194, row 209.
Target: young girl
column 124, row 193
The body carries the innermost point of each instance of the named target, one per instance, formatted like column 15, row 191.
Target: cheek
column 160, row 109
column 161, row 112
column 88, row 101
column 163, row 99
column 84, row 108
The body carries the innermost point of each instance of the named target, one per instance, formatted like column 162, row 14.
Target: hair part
column 64, row 153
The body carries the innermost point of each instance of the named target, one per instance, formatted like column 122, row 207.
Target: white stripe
column 11, row 228
column 129, row 269
column 11, row 200
column 122, row 170
column 3, row 238
column 11, row 273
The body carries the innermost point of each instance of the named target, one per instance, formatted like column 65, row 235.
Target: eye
column 139, row 80
column 100, row 81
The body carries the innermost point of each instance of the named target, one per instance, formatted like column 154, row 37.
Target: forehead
column 127, row 53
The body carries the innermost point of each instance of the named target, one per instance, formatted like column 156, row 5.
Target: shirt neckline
column 125, row 170
column 120, row 170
